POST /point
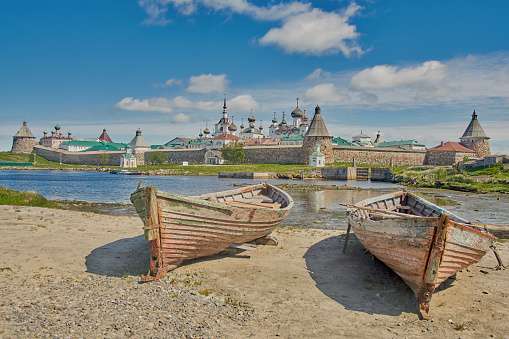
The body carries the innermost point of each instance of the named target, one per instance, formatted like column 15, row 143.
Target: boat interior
column 258, row 196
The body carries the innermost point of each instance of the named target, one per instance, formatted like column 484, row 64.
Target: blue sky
column 409, row 69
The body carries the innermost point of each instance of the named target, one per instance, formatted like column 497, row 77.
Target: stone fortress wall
column 290, row 154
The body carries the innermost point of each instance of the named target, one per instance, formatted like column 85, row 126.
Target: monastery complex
column 301, row 141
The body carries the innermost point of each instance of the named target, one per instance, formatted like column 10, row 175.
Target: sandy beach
column 70, row 274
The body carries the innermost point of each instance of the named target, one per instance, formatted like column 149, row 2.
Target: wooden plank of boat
column 423, row 249
column 180, row 228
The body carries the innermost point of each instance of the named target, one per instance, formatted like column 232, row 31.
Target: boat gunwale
column 464, row 225
column 199, row 201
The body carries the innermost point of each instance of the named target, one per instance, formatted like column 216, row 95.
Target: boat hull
column 181, row 228
column 423, row 250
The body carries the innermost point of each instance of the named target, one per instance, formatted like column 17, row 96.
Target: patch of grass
column 204, row 292
column 11, row 197
column 5, row 269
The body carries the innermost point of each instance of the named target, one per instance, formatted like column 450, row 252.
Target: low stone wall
column 343, row 173
column 379, row 156
column 78, row 158
column 287, row 155
column 178, row 156
column 381, row 174
column 441, row 158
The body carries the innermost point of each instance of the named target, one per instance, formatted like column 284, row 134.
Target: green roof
column 82, row 143
column 108, row 146
column 398, row 143
column 341, row 141
column 293, row 138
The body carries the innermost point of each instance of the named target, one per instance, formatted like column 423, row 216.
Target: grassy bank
column 492, row 179
column 11, row 197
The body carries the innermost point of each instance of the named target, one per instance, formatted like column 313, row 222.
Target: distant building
column 138, row 142
column 293, row 140
column 224, row 126
column 139, row 146
column 178, row 141
column 23, row 141
column 362, row 140
column 128, row 159
column 214, row 157
column 447, row 154
column 341, row 142
column 251, row 132
column 104, row 136
column 199, row 144
column 317, row 158
column 475, row 138
column 317, row 133
column 223, row 139
column 78, row 145
column 55, row 139
column 299, row 126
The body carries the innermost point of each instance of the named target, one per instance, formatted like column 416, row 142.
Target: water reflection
column 313, row 208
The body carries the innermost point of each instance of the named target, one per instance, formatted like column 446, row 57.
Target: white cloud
column 164, row 105
column 304, row 29
column 324, row 93
column 318, row 74
column 243, row 103
column 180, row 118
column 207, row 83
column 316, row 33
column 159, row 105
column 384, row 76
column 157, row 8
column 156, row 11
column 167, row 83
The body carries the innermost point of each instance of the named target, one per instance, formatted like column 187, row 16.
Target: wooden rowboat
column 423, row 243
column 180, row 228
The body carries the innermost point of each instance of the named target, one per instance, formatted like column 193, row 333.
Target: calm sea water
column 313, row 208
column 106, row 187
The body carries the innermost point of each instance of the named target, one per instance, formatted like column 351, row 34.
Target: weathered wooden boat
column 180, row 228
column 421, row 242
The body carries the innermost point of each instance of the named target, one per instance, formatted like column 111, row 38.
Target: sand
column 304, row 287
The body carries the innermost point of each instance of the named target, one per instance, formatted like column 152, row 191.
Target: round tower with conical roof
column 317, row 134
column 475, row 138
column 23, row 141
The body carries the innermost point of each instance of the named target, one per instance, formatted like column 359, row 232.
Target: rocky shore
column 71, row 274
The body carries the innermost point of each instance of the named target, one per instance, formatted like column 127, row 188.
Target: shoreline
column 76, row 274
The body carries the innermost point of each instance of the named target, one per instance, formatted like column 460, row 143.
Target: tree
column 104, row 158
column 233, row 152
column 157, row 158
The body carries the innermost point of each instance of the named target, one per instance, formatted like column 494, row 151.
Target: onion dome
column 206, row 130
column 251, row 118
column 297, row 112
column 232, row 127
column 261, row 127
column 57, row 127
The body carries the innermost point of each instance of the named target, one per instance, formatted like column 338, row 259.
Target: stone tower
column 317, row 133
column 475, row 138
column 23, row 141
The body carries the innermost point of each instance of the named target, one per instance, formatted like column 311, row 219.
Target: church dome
column 232, row 127
column 251, row 118
column 297, row 113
